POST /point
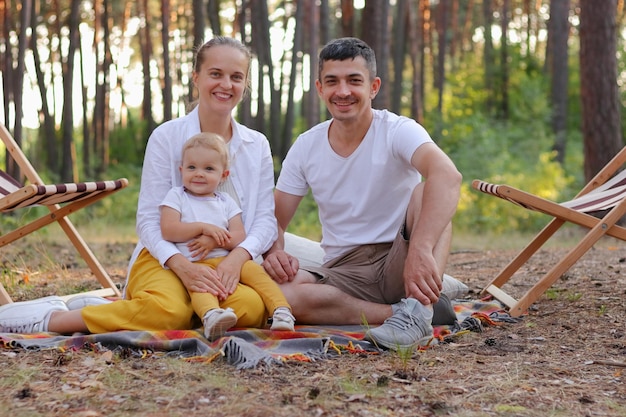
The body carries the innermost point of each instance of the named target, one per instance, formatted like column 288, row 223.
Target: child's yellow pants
column 157, row 300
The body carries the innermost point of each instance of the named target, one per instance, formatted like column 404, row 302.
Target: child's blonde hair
column 209, row 141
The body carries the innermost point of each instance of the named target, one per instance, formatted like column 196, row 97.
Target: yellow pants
column 157, row 300
column 252, row 275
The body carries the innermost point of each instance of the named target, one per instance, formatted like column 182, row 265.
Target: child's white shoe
column 283, row 319
column 217, row 322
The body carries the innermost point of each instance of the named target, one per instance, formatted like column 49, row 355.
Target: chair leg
column 599, row 230
column 92, row 262
column 5, row 298
column 524, row 255
column 59, row 215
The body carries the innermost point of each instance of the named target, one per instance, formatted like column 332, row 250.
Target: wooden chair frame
column 605, row 192
column 58, row 214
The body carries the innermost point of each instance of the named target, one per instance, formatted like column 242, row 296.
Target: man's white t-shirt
column 216, row 210
column 362, row 198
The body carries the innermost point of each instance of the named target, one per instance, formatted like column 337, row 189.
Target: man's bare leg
column 314, row 303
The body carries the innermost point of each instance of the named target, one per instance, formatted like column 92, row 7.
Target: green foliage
column 119, row 208
column 516, row 151
column 481, row 212
column 128, row 144
column 306, row 221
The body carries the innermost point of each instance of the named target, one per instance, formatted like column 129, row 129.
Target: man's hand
column 422, row 279
column 281, row 266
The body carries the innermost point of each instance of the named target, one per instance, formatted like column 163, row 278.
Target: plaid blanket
column 249, row 348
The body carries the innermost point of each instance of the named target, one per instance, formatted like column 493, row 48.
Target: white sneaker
column 283, row 319
column 83, row 300
column 217, row 322
column 29, row 316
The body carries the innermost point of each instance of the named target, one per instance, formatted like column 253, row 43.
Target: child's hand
column 201, row 246
column 221, row 236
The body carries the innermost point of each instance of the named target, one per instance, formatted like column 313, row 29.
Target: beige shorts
column 369, row 272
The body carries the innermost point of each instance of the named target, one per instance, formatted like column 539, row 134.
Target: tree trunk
column 242, row 22
column 6, row 65
column 442, row 24
column 488, row 55
column 49, row 130
column 601, row 117
column 416, row 45
column 558, row 27
column 467, row 31
column 504, row 62
column 375, row 32
column 312, row 114
column 399, row 49
column 146, row 54
column 454, row 30
column 166, row 81
column 198, row 32
column 17, row 86
column 68, row 164
column 98, row 118
column 347, row 18
column 213, row 9
column 101, row 131
column 290, row 113
column 262, row 46
column 324, row 20
column 84, row 107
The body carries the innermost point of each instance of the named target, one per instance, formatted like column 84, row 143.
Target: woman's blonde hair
column 209, row 141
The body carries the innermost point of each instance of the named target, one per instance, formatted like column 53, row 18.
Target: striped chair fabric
column 46, row 195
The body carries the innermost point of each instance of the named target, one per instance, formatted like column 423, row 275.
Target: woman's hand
column 229, row 270
column 197, row 277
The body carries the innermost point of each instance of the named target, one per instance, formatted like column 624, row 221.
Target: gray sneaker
column 408, row 327
column 217, row 322
column 443, row 312
column 29, row 316
column 83, row 300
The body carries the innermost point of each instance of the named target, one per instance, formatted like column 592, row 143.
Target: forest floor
column 567, row 357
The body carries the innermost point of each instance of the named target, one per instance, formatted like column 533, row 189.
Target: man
column 386, row 233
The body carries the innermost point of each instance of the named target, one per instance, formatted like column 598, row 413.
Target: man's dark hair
column 347, row 48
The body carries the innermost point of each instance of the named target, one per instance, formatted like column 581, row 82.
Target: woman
column 156, row 294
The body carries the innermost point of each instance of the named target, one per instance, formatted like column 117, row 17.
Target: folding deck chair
column 74, row 197
column 605, row 193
